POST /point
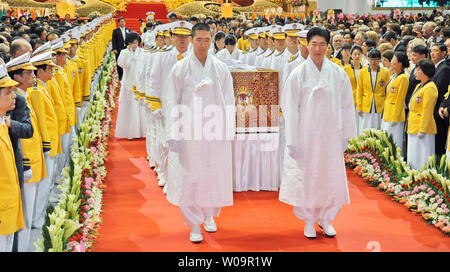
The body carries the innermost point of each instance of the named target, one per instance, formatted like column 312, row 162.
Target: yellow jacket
column 33, row 156
column 394, row 105
column 365, row 94
column 11, row 216
column 350, row 70
column 59, row 106
column 60, row 77
column 421, row 109
column 73, row 74
column 46, row 117
column 242, row 44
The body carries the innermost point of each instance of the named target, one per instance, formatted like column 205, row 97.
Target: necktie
column 180, row 56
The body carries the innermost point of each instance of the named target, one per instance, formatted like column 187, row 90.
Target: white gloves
column 157, row 113
column 174, row 145
column 27, row 175
column 293, row 151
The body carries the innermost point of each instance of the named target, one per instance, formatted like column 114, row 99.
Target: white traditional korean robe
column 200, row 173
column 129, row 115
column 225, row 54
column 319, row 113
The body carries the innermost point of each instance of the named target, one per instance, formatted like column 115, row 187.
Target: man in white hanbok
column 200, row 182
column 317, row 102
column 161, row 67
column 129, row 123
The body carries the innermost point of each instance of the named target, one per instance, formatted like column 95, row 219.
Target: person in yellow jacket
column 47, row 119
column 421, row 126
column 79, row 77
column 394, row 106
column 370, row 93
column 352, row 71
column 22, row 71
column 11, row 217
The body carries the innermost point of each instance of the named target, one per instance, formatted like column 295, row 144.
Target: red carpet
column 137, row 217
column 136, row 11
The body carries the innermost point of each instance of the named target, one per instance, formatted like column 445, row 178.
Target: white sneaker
column 327, row 228
column 310, row 230
column 162, row 182
column 196, row 235
column 210, row 225
column 165, row 189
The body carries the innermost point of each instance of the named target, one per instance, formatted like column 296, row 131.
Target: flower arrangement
column 374, row 157
column 72, row 224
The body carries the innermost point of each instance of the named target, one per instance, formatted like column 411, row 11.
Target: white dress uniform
column 162, row 65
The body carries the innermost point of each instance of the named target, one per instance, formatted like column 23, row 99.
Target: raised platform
column 138, row 10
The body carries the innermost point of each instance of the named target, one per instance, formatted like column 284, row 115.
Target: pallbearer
column 200, row 172
column 317, row 103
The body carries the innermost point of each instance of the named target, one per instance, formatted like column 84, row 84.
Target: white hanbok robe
column 200, row 173
column 319, row 112
column 225, row 54
column 128, row 123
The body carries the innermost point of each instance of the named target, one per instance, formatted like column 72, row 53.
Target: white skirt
column 396, row 130
column 419, row 149
column 369, row 120
column 129, row 122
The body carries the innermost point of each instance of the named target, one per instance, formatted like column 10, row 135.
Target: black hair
column 35, row 42
column 446, row 32
column 442, row 47
column 149, row 24
column 374, row 54
column 121, row 18
column 17, row 26
column 318, row 31
column 370, row 43
column 389, row 54
column 346, row 46
column 42, row 66
column 420, row 49
column 15, row 72
column 200, row 26
column 427, row 67
column 402, row 58
column 230, row 40
column 193, row 18
column 219, row 35
column 390, row 35
column 131, row 37
column 356, row 47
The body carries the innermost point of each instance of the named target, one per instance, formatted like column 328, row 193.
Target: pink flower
column 440, row 200
column 446, row 211
column 90, row 200
column 443, row 206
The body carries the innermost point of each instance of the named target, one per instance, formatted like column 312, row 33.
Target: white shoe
column 310, row 231
column 165, row 189
column 162, row 182
column 327, row 228
column 196, row 235
column 210, row 225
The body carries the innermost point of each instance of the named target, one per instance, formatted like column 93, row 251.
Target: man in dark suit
column 118, row 41
column 391, row 38
column 442, row 80
column 19, row 122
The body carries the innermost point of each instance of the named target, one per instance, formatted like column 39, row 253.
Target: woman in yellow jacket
column 394, row 105
column 353, row 70
column 421, row 125
column 11, row 217
column 370, row 93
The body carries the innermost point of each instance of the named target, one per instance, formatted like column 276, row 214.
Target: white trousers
column 369, row 120
column 315, row 215
column 150, row 137
column 194, row 216
column 28, row 192
column 6, row 243
column 43, row 191
column 79, row 111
